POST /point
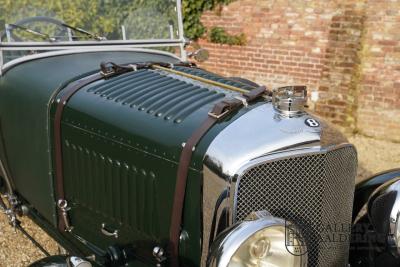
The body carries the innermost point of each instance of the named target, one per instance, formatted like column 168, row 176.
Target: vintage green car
column 127, row 154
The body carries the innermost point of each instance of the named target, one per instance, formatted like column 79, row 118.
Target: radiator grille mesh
column 314, row 191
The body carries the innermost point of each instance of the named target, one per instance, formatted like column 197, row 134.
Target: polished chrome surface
column 159, row 255
column 393, row 239
column 64, row 208
column 78, row 262
column 229, row 242
column 259, row 132
column 182, row 38
column 290, row 100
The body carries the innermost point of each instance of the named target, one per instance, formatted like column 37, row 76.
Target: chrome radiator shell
column 259, row 136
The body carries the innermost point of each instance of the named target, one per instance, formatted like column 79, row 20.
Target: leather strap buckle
column 218, row 116
column 243, row 100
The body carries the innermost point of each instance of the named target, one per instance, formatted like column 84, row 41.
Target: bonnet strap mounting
column 219, row 111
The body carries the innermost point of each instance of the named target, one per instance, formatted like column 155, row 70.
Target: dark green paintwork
column 120, row 161
column 126, row 153
column 25, row 91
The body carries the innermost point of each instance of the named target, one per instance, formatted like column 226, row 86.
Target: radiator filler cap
column 290, row 100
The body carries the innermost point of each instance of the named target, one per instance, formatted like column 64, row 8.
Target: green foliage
column 192, row 11
column 143, row 19
column 220, row 36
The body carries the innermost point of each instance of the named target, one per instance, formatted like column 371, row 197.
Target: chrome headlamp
column 384, row 213
column 260, row 240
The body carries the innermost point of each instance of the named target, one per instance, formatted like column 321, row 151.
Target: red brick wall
column 379, row 96
column 338, row 84
column 346, row 50
column 286, row 43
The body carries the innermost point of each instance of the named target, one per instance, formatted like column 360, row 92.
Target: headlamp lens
column 268, row 248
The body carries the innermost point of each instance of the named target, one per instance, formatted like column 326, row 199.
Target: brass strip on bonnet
column 204, row 80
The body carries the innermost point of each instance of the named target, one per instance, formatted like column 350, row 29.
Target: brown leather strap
column 180, row 187
column 69, row 91
column 254, row 94
column 219, row 111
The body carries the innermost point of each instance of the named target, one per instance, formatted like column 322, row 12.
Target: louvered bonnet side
column 122, row 138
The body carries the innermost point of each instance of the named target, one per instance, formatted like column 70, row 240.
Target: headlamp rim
column 229, row 241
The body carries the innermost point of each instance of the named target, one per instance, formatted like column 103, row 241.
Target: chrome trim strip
column 78, row 50
column 285, row 154
column 181, row 30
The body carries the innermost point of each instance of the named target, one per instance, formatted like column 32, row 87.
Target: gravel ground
column 375, row 155
column 15, row 251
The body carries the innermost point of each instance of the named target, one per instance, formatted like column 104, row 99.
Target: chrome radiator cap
column 290, row 100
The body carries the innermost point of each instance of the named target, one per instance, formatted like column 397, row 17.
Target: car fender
column 365, row 188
